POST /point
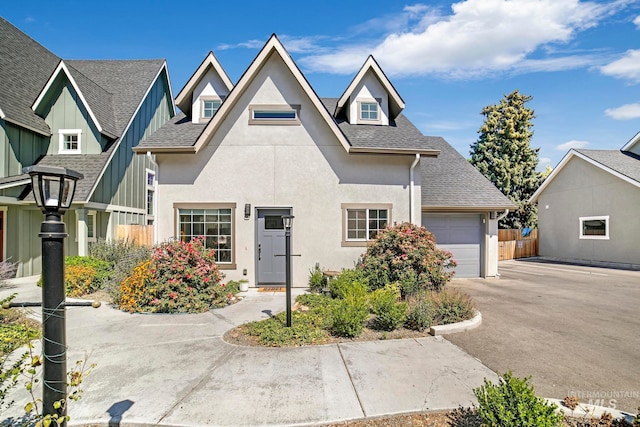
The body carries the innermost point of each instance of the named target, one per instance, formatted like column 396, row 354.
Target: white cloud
column 249, row 44
column 637, row 22
column 572, row 144
column 543, row 163
column 627, row 67
column 624, row 112
column 478, row 37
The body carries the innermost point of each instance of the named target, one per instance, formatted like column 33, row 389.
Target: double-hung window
column 69, row 141
column 594, row 227
column 214, row 224
column 362, row 223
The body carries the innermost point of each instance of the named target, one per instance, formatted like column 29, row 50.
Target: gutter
column 412, row 201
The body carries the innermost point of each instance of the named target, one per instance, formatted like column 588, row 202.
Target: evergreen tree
column 503, row 154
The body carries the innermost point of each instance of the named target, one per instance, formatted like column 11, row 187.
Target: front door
column 270, row 244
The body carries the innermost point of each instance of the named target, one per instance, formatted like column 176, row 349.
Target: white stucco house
column 241, row 155
column 588, row 208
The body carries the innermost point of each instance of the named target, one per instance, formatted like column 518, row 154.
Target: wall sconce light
column 247, row 210
column 492, row 215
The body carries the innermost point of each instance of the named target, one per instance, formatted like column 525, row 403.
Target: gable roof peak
column 183, row 100
column 632, row 142
column 396, row 103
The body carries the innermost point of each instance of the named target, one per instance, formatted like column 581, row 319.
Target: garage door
column 460, row 234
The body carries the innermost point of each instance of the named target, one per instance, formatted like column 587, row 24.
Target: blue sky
column 579, row 60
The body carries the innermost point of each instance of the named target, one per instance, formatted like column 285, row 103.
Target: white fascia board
column 272, row 45
column 572, row 153
column 126, row 129
column 632, row 142
column 2, row 115
column 371, row 64
column 209, row 61
column 62, row 68
column 15, row 183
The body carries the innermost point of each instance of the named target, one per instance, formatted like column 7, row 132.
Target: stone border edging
column 587, row 410
column 452, row 328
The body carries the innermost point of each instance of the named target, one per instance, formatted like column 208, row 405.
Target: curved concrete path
column 177, row 370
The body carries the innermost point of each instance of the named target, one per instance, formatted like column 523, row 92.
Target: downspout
column 505, row 213
column 412, row 201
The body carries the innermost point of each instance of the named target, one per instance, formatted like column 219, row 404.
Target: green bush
column 451, row 306
column 123, row 256
column 350, row 313
column 390, row 313
column 84, row 275
column 345, row 280
column 512, row 402
column 406, row 253
column 317, row 281
column 420, row 313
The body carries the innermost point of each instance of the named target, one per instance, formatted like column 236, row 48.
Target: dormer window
column 209, row 106
column 70, row 140
column 369, row 112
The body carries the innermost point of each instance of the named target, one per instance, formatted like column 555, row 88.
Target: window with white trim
column 274, row 114
column 209, row 107
column 214, row 225
column 70, row 141
column 594, row 227
column 151, row 196
column 369, row 111
column 363, row 222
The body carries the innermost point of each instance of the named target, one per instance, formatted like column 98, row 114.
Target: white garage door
column 460, row 234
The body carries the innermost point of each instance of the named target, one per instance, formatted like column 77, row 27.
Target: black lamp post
column 288, row 223
column 53, row 189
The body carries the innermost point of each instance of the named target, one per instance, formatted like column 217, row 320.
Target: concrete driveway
column 573, row 329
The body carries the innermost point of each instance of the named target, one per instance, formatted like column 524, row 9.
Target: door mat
column 272, row 289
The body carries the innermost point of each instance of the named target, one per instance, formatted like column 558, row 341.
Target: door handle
column 259, row 250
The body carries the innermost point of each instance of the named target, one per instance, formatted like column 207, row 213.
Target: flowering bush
column 180, row 277
column 406, row 253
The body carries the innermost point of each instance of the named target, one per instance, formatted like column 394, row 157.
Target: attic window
column 369, row 112
column 70, row 140
column 208, row 107
column 274, row 114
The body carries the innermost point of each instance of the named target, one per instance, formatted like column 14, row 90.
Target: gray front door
column 270, row 233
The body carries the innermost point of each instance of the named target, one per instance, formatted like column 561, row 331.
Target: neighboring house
column 588, row 207
column 83, row 115
column 240, row 156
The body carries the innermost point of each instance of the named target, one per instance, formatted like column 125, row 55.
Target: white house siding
column 302, row 167
column 210, row 85
column 582, row 190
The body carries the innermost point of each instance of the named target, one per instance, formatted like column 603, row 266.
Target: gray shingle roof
column 451, row 181
column 624, row 163
column 126, row 81
column 25, row 67
column 177, row 132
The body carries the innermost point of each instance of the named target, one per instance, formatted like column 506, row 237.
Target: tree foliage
column 503, row 154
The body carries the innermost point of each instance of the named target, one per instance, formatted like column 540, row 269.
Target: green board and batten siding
column 124, row 181
column 19, row 148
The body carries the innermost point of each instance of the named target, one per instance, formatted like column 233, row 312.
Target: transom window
column 594, row 227
column 274, row 114
column 364, row 224
column 215, row 225
column 369, row 111
column 209, row 107
column 70, row 140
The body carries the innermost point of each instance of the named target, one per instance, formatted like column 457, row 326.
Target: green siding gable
column 124, row 180
column 19, row 148
column 62, row 108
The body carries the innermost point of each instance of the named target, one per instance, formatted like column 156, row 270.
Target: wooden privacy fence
column 139, row 234
column 512, row 245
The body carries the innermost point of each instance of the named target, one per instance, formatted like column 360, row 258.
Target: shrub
column 7, row 270
column 513, row 402
column 451, row 306
column 317, row 281
column 123, row 256
column 420, row 313
column 350, row 313
column 180, row 277
column 345, row 280
column 84, row 275
column 406, row 253
column 389, row 312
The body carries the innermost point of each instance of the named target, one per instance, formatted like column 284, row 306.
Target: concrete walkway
column 176, row 370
